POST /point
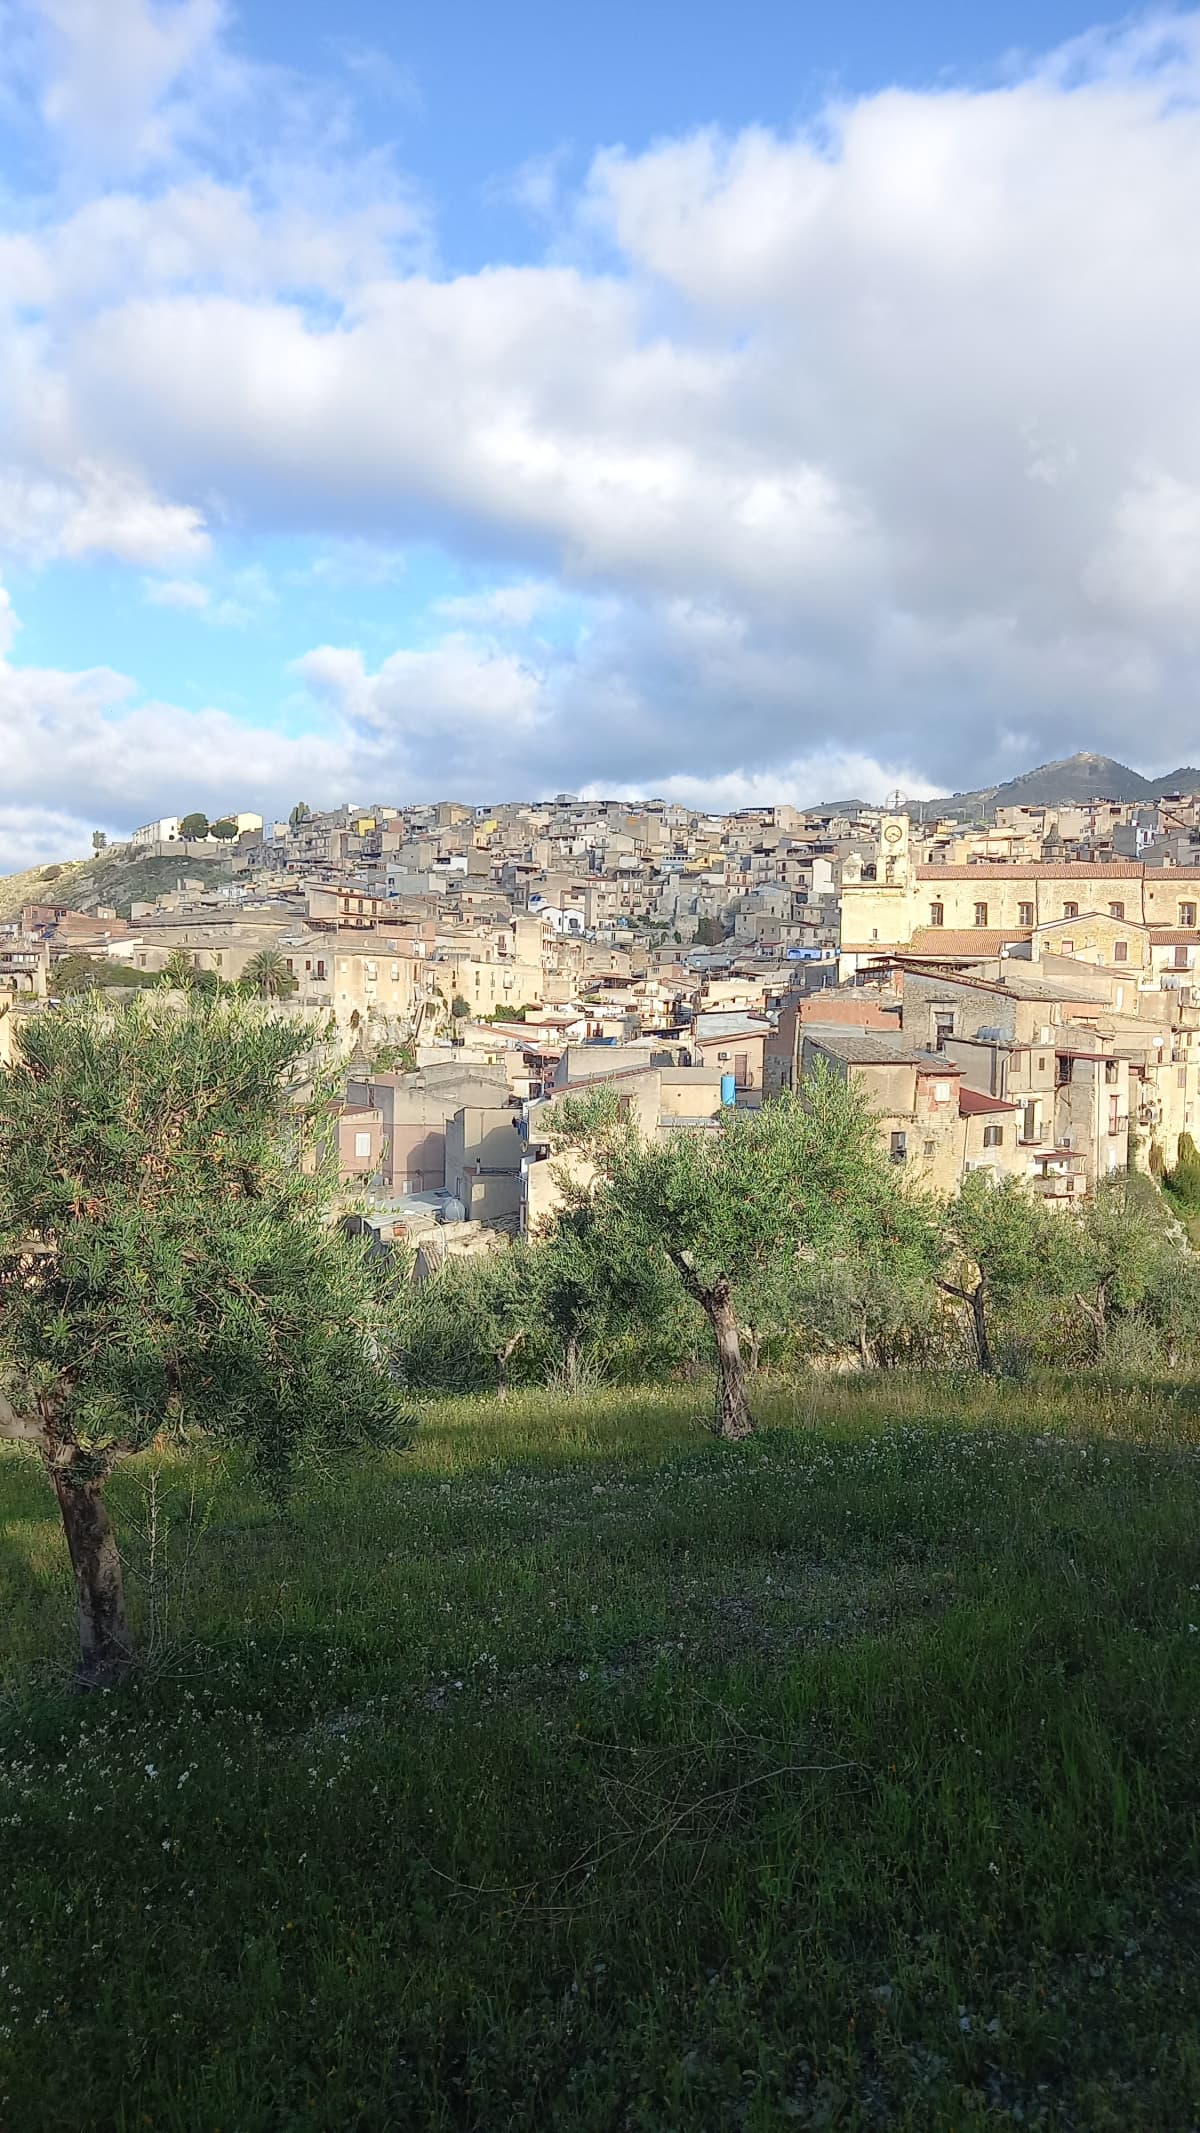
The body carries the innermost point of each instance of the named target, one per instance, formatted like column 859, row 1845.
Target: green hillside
column 119, row 877
column 573, row 1771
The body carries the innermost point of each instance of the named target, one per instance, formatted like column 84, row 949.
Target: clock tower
column 893, row 871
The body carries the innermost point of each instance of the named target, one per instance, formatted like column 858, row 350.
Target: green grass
column 573, row 1771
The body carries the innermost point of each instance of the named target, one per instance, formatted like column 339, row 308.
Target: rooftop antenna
column 897, row 803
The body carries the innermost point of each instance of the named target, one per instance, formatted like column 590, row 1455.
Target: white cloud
column 356, row 562
column 119, row 518
column 37, row 836
column 880, row 436
column 827, row 774
column 8, row 623
column 85, row 746
column 436, row 699
column 502, row 607
column 114, row 69
column 186, row 593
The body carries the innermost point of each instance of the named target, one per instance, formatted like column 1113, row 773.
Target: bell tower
column 893, row 872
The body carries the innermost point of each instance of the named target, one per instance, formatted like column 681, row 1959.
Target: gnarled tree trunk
column 105, row 1647
column 732, row 1418
column 733, row 1413
column 976, row 1301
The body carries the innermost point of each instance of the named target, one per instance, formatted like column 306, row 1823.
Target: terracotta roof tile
column 971, row 1101
column 963, row 940
column 1042, row 870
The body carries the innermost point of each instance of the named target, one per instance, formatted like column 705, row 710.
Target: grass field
column 574, row 1771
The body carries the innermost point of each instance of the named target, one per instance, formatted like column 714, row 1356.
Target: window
column 1041, row 1066
column 370, row 972
column 930, row 1150
column 1114, row 1116
column 1024, row 914
column 1070, row 910
column 937, row 914
column 1029, row 1123
column 941, row 1092
column 1180, row 959
column 1110, row 1072
column 1116, row 910
column 1187, row 914
column 943, row 1027
column 899, row 1148
column 981, row 914
column 993, row 1136
column 320, row 970
column 1120, row 951
column 362, row 1146
column 1181, row 1077
column 1068, row 947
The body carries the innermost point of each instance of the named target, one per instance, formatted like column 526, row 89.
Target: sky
column 491, row 398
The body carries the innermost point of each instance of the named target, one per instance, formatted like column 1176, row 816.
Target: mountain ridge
column 1067, row 781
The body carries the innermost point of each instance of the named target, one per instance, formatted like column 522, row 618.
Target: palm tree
column 268, row 973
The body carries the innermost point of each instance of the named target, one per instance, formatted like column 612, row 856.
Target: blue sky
column 473, row 92
column 723, row 402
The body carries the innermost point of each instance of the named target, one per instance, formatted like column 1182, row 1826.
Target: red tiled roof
column 1044, row 870
column 972, row 1101
column 964, row 940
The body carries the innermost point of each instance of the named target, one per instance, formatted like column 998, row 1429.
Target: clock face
column 893, row 833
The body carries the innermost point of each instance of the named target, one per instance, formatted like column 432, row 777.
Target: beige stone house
column 393, row 1126
column 661, row 1099
column 926, row 1121
column 935, row 908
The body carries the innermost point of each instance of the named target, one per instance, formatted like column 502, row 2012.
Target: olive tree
column 1004, row 1247
column 164, row 1265
column 806, row 1173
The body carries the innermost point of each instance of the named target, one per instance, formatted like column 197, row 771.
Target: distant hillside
column 117, row 878
column 41, row 885
column 1073, row 779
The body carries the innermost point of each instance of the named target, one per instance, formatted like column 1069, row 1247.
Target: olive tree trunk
column 732, row 1418
column 976, row 1302
column 733, row 1412
column 105, row 1647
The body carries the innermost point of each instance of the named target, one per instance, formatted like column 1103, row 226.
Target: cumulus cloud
column 827, row 774
column 35, row 836
column 878, row 437
column 115, row 69
column 87, row 748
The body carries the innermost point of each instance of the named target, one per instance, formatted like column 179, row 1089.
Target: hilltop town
column 1015, row 994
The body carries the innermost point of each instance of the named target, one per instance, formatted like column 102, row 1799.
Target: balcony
column 1061, row 1188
